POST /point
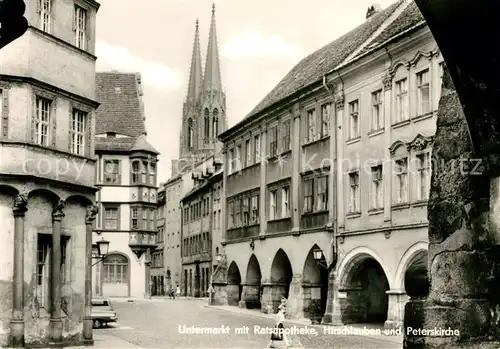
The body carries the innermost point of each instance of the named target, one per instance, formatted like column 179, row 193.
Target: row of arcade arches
column 362, row 278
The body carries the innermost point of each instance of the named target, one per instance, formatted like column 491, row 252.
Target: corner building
column 311, row 168
column 47, row 176
column 127, row 197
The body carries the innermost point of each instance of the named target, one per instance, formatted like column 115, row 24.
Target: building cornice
column 43, row 85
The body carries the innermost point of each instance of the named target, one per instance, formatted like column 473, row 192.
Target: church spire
column 212, row 79
column 195, row 75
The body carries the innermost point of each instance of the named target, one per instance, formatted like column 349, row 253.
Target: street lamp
column 100, row 250
column 318, row 257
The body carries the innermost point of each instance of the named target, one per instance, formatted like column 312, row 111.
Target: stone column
column 395, row 311
column 296, row 169
column 330, row 316
column 56, row 324
column 17, row 321
column 92, row 210
column 266, row 301
column 387, row 167
column 295, row 301
column 263, row 169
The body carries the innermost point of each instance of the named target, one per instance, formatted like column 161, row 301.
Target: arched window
column 207, row 126
column 190, row 133
column 215, row 127
column 115, row 269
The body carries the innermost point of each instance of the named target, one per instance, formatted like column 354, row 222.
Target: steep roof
column 141, row 144
column 322, row 61
column 410, row 17
column 120, row 110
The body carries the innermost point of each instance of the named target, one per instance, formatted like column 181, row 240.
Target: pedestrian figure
column 278, row 333
column 171, row 292
column 178, row 291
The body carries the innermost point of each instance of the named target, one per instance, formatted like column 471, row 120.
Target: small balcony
column 140, row 242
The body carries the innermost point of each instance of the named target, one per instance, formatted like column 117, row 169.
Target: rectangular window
column 45, row 9
column 80, row 27
column 246, row 211
column 285, row 135
column 256, row 147
column 377, row 188
column 144, row 219
column 322, row 193
column 311, row 125
column 42, row 121
column 423, row 93
column 272, row 204
column 354, row 119
column 248, row 153
column 423, row 168
column 230, row 210
column 151, row 223
column 401, row 172
column 231, row 161
column 273, row 141
column 135, row 218
column 285, row 202
column 111, row 218
column 354, row 192
column 401, row 88
column 112, row 171
column 377, row 112
column 325, row 119
column 43, row 270
column 136, row 171
column 78, row 125
column 308, row 195
column 237, row 161
column 255, row 209
column 152, row 173
column 144, row 172
column 237, row 212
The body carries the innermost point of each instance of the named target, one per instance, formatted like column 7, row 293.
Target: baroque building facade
column 337, row 158
column 127, row 196
column 47, row 169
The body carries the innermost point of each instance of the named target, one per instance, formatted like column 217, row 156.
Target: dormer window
column 110, row 134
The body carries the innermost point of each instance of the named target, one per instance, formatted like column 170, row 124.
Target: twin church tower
column 204, row 110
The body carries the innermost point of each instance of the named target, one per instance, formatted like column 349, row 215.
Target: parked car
column 102, row 312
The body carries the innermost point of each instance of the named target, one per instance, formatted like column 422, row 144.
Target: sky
column 260, row 41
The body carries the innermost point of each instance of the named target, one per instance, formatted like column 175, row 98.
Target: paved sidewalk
column 307, row 322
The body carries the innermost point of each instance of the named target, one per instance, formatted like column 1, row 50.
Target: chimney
column 373, row 9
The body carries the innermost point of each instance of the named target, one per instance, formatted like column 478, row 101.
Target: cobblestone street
column 155, row 324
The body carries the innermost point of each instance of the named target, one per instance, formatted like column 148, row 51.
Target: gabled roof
column 310, row 69
column 141, row 144
column 120, row 110
column 216, row 176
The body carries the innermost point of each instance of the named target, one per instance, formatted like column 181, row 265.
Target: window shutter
column 53, row 121
column 70, row 129
column 88, row 135
column 33, row 119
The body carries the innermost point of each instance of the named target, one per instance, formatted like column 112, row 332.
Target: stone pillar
column 220, row 294
column 250, row 296
column 295, row 301
column 87, row 317
column 387, row 168
column 296, row 169
column 17, row 321
column 263, row 169
column 328, row 316
column 271, row 297
column 56, row 324
column 266, row 301
column 395, row 311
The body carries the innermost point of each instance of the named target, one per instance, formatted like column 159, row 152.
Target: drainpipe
column 333, row 138
column 183, row 282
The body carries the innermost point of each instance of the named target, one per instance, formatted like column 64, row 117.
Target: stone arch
column 315, row 284
column 115, row 275
column 8, row 190
column 233, row 284
column 365, row 282
column 353, row 257
column 252, row 287
column 49, row 194
column 81, row 199
column 7, row 199
column 281, row 277
column 406, row 260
